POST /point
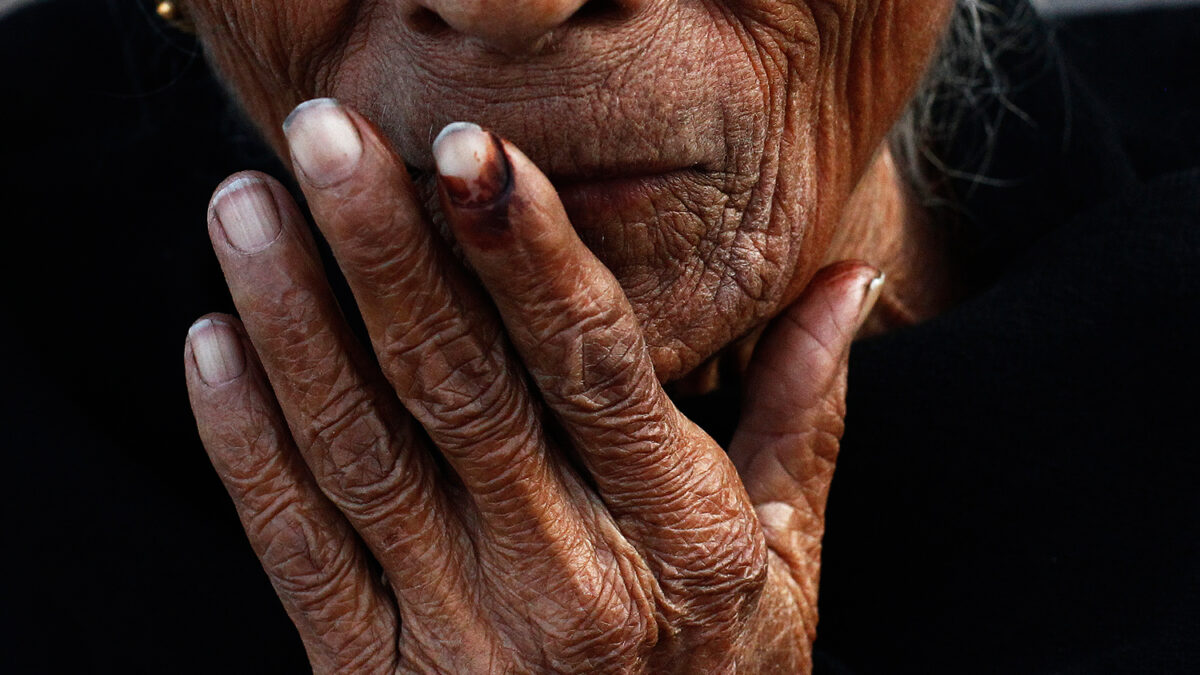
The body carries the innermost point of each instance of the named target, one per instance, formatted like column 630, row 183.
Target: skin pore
column 714, row 155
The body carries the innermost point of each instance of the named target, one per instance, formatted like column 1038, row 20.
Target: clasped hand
column 505, row 486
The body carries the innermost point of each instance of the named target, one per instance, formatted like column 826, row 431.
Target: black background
column 126, row 557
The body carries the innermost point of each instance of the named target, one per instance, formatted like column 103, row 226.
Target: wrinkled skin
column 679, row 172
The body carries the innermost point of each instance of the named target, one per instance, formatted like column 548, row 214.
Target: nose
column 519, row 26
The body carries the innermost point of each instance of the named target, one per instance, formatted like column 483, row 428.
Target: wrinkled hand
column 508, row 488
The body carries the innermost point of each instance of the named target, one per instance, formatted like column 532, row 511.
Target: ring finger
column 358, row 442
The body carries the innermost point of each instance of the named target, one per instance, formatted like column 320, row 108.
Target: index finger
column 579, row 338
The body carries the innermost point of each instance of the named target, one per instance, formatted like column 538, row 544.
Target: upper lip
column 590, row 151
column 599, row 106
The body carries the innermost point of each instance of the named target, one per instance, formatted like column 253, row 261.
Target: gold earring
column 173, row 13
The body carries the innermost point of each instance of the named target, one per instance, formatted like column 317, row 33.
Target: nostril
column 597, row 11
column 427, row 22
column 524, row 26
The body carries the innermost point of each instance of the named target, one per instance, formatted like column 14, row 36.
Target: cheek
column 274, row 55
column 838, row 73
column 761, row 79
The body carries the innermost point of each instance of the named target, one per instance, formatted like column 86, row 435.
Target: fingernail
column 217, row 351
column 246, row 211
column 871, row 296
column 471, row 165
column 324, row 142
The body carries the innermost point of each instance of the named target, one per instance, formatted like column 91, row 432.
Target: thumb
column 794, row 403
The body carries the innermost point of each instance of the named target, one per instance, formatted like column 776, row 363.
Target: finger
column 434, row 334
column 795, row 394
column 786, row 444
column 438, row 340
column 578, row 337
column 440, row 343
column 358, row 442
column 312, row 556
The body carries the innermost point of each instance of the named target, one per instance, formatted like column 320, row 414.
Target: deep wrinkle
column 781, row 107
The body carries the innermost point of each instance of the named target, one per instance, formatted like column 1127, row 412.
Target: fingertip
column 806, row 350
column 840, row 298
column 493, row 197
column 472, row 165
column 215, row 348
column 874, row 290
column 325, row 142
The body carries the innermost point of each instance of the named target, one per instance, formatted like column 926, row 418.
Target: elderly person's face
column 706, row 150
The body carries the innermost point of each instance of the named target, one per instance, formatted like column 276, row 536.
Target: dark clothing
column 1017, row 490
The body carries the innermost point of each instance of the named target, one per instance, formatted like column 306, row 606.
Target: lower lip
column 623, row 194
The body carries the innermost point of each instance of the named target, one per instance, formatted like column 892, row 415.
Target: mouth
column 622, row 192
column 611, row 172
column 584, row 194
column 569, row 181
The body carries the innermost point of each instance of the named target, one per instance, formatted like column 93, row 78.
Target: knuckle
column 825, row 443
column 606, row 369
column 743, row 564
column 337, row 417
column 340, row 428
column 499, row 413
column 308, row 564
column 805, row 461
column 718, row 601
column 730, row 562
column 715, row 554
column 606, row 631
column 258, row 490
column 246, row 447
column 355, row 451
column 439, row 361
column 465, row 394
column 289, row 315
column 435, row 328
column 370, row 491
column 600, row 388
column 382, row 255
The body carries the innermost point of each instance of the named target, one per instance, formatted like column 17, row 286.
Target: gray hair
column 964, row 87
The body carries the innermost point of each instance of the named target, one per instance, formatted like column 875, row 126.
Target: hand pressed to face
column 705, row 150
column 578, row 523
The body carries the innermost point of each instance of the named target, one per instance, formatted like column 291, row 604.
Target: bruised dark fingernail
column 245, row 210
column 217, row 350
column 324, row 142
column 472, row 165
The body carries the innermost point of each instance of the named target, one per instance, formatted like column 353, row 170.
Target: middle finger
column 436, row 336
column 669, row 485
column 359, row 444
